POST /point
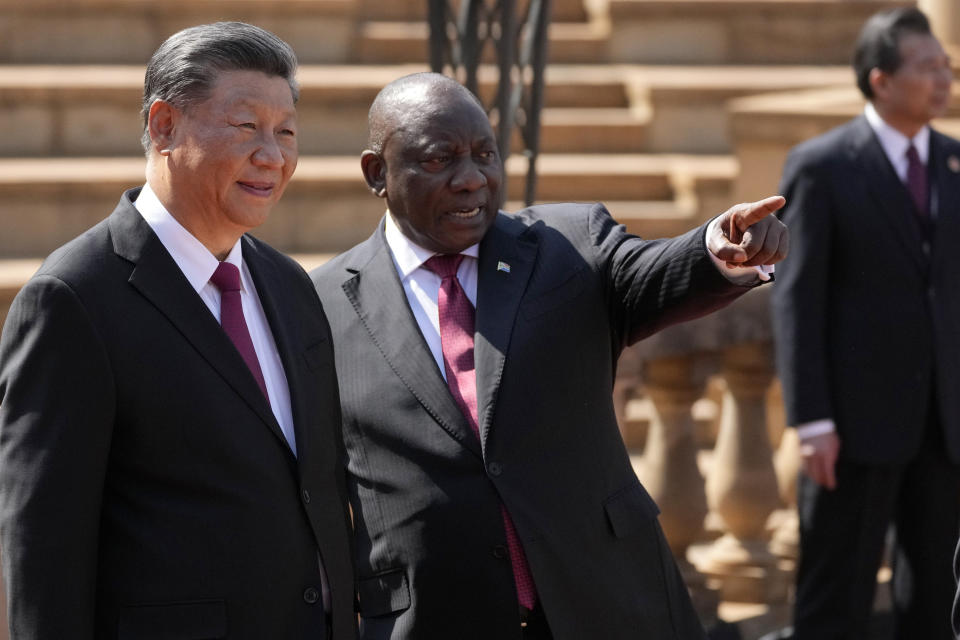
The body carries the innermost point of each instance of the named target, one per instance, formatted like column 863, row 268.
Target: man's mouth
column 257, row 188
column 466, row 214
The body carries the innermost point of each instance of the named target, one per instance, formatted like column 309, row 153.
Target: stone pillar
column 945, row 19
column 742, row 485
column 786, row 526
column 669, row 466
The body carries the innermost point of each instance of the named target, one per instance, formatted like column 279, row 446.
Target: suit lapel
column 378, row 298
column 890, row 197
column 273, row 292
column 156, row 276
column 506, row 262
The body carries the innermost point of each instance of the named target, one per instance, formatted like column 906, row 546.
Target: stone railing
column 701, row 414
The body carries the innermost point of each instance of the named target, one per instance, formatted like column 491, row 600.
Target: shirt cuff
column 816, row 428
column 738, row 275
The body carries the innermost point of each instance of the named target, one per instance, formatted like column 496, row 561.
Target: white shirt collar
column 894, row 143
column 194, row 259
column 407, row 254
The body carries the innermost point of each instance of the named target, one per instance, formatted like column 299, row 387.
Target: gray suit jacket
column 146, row 490
column 427, row 494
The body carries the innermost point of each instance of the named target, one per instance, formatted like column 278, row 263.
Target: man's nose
column 468, row 177
column 268, row 153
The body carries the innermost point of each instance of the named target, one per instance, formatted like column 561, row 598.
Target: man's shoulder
column 334, row 271
column 827, row 145
column 565, row 217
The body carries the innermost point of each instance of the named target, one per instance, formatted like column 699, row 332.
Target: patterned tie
column 227, row 279
column 456, row 340
column 917, row 181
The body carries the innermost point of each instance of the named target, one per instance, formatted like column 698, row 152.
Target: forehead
column 919, row 46
column 252, row 89
column 445, row 118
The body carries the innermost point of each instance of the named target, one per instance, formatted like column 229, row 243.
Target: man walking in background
column 867, row 322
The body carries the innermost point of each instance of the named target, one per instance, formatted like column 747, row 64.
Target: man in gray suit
column 171, row 464
column 493, row 496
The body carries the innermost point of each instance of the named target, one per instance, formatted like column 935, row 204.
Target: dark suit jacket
column 146, row 490
column 426, row 494
column 867, row 312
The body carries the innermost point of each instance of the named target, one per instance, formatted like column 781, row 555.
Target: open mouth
column 466, row 214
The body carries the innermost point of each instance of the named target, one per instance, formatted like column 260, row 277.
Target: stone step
column 734, row 31
column 328, row 208
column 570, row 42
column 54, row 110
column 129, row 31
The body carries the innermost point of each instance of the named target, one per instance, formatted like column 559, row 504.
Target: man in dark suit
column 866, row 314
column 162, row 476
column 493, row 496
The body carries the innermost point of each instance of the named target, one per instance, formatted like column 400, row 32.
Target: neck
column 909, row 128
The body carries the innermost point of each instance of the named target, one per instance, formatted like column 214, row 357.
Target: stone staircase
column 636, row 115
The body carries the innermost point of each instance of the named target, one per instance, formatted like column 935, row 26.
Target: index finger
column 753, row 212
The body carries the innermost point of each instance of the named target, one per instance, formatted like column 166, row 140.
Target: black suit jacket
column 427, row 494
column 866, row 311
column 146, row 490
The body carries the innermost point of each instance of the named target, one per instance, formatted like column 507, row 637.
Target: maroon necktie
column 917, row 181
column 456, row 340
column 227, row 279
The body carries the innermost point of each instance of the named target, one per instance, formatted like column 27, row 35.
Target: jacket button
column 306, row 496
column 311, row 595
column 495, row 468
column 500, row 551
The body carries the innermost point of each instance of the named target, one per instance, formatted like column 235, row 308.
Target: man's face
column 919, row 90
column 232, row 155
column 441, row 172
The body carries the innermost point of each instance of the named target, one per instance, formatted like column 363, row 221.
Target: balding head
column 405, row 96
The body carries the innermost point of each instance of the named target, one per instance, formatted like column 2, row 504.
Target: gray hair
column 183, row 69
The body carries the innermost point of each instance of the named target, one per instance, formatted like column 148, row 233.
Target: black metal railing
column 464, row 33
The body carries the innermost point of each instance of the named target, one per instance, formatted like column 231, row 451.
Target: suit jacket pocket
column 630, row 510
column 384, row 593
column 555, row 296
column 195, row 620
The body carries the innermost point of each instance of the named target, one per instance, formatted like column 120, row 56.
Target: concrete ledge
column 735, row 31
column 764, row 128
column 128, row 31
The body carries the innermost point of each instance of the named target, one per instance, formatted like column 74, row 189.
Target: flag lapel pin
column 503, row 266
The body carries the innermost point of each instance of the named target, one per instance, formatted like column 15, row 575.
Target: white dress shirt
column 198, row 264
column 895, row 146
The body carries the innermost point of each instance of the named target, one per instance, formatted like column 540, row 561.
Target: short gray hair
column 183, row 69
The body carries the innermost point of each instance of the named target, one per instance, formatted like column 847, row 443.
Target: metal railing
column 464, row 33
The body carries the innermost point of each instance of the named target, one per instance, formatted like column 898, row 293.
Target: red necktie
column 456, row 340
column 227, row 279
column 917, row 181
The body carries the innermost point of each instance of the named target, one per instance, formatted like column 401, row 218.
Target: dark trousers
column 842, row 536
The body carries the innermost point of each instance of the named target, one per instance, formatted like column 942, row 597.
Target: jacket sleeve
column 656, row 283
column 56, row 414
column 800, row 298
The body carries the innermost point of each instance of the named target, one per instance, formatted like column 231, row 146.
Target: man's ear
column 161, row 121
column 878, row 82
column 374, row 172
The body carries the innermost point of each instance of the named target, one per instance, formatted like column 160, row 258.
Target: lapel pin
column 953, row 163
column 503, row 266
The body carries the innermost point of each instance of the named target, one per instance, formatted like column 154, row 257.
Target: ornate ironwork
column 464, row 33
